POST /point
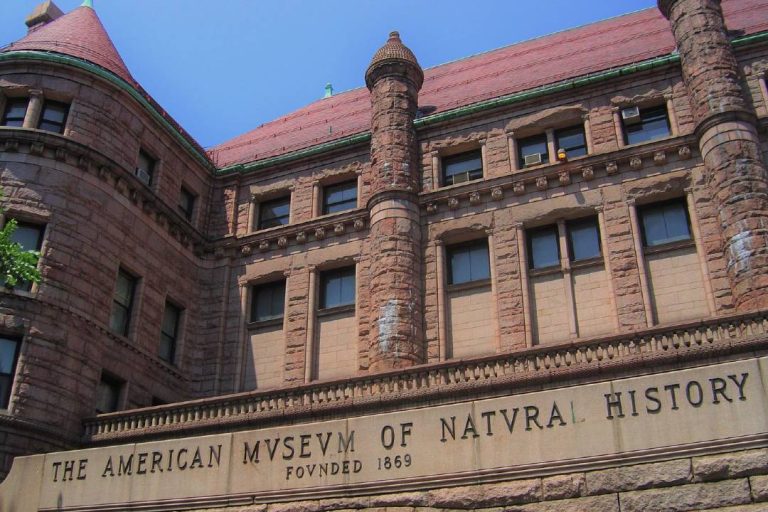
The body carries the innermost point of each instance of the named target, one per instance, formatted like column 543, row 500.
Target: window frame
column 40, row 228
column 326, row 205
column 531, row 140
column 189, row 211
column 152, row 167
column 325, row 277
column 5, row 398
column 110, row 380
column 576, row 128
column 453, row 249
column 644, row 111
column 270, row 286
column 128, row 310
column 642, row 211
column 173, row 339
column 48, row 104
column 473, row 174
column 9, row 102
column 276, row 200
column 594, row 221
column 529, row 247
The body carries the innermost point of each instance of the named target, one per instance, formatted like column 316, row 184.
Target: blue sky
column 223, row 67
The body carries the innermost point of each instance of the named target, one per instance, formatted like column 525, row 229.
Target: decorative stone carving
column 497, row 194
column 320, row 233
column 453, row 203
column 611, row 168
column 541, row 183
column 684, row 152
column 339, row 228
column 564, row 177
column 659, row 158
column 474, row 198
column 11, row 146
column 636, row 162
column 359, row 224
column 37, row 148
column 431, row 208
column 518, row 188
column 264, row 245
column 301, row 237
column 588, row 172
column 282, row 242
column 60, row 154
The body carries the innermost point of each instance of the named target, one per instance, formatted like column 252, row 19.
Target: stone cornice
column 646, row 351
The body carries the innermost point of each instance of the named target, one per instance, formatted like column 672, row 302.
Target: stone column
column 394, row 78
column 727, row 135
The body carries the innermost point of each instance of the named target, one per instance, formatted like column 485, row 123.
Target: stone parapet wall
column 732, row 482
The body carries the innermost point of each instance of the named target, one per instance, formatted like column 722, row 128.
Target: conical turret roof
column 78, row 34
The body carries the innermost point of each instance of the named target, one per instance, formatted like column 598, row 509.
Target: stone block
column 608, row 503
column 564, row 486
column 759, row 486
column 688, row 497
column 641, row 476
column 730, row 465
column 505, row 494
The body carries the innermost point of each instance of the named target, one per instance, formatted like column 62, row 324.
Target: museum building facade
column 533, row 279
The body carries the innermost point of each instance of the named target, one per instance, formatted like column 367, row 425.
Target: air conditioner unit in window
column 534, row 159
column 460, row 178
column 143, row 176
column 631, row 115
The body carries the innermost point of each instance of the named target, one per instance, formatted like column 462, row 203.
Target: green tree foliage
column 16, row 264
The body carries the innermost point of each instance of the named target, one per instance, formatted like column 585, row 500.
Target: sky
column 224, row 67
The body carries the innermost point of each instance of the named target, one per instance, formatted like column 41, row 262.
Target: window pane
column 584, row 239
column 119, row 320
column 15, row 111
column 533, row 146
column 463, row 167
column 124, row 290
column 274, row 213
column 468, row 262
column 338, row 288
column 340, row 197
column 543, row 247
column 122, row 303
column 186, row 202
column 53, row 116
column 665, row 223
column 461, row 266
column 572, row 140
column 107, row 395
column 653, row 124
column 28, row 236
column 167, row 348
column 7, row 355
column 170, row 320
column 268, row 301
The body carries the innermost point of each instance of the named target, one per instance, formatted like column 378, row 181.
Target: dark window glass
column 337, row 287
column 268, row 301
column 468, row 262
column 9, row 353
column 583, row 239
column 664, row 223
column 169, row 332
column 122, row 303
column 108, row 394
column 53, row 117
column 186, row 203
column 463, row 167
column 145, row 167
column 536, row 145
column 30, row 237
column 543, row 247
column 652, row 124
column 572, row 140
column 274, row 213
column 340, row 197
column 15, row 111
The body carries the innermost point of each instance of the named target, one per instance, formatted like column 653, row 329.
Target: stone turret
column 727, row 135
column 394, row 78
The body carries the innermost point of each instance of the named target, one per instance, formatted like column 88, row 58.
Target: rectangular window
column 108, row 394
column 145, row 167
column 30, row 237
column 572, row 140
column 122, row 303
column 533, row 151
column 53, row 117
column 268, row 301
column 340, row 197
column 169, row 332
column 275, row 212
column 665, row 223
column 463, row 167
column 9, row 354
column 187, row 203
column 583, row 239
column 645, row 124
column 543, row 247
column 337, row 287
column 15, row 111
column 468, row 262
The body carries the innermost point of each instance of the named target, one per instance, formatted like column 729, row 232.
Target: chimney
column 328, row 91
column 43, row 13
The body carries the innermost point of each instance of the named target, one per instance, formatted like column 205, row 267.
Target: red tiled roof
column 80, row 34
column 607, row 44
